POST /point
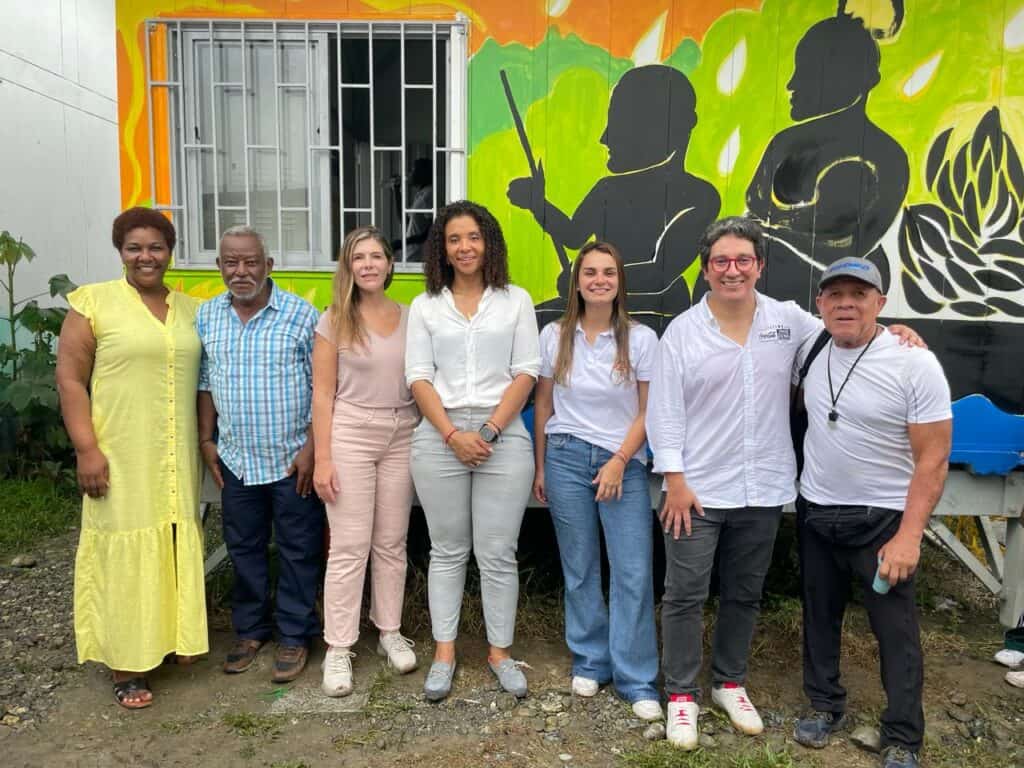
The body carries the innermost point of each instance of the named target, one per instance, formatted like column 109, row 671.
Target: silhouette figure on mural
column 649, row 206
column 831, row 185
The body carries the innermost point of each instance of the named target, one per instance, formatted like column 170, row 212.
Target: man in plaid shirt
column 255, row 396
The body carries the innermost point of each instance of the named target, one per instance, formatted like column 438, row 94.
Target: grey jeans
column 744, row 539
column 473, row 510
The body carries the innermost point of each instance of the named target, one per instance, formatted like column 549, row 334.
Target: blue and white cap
column 859, row 269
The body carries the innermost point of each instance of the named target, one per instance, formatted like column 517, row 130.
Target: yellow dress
column 139, row 587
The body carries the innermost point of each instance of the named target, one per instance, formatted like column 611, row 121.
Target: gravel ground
column 53, row 712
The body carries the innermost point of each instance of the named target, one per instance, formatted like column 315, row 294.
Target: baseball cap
column 859, row 269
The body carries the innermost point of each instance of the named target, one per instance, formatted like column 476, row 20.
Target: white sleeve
column 926, row 389
column 805, row 325
column 525, row 342
column 646, row 346
column 806, row 329
column 549, row 349
column 419, row 348
column 666, row 411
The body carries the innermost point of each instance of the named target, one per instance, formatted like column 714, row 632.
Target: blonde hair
column 346, row 322
column 622, row 371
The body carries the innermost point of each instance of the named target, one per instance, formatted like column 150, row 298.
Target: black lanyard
column 833, row 415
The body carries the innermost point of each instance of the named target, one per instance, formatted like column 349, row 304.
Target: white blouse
column 595, row 406
column 471, row 362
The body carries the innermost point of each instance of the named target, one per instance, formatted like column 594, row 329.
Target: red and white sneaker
column 732, row 698
column 681, row 722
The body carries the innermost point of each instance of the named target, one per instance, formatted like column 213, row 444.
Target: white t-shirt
column 597, row 406
column 718, row 411
column 471, row 362
column 864, row 458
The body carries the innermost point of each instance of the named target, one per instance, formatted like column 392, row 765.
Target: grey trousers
column 744, row 539
column 473, row 510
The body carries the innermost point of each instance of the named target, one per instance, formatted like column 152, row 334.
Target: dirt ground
column 55, row 713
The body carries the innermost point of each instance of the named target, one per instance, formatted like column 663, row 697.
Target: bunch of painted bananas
column 965, row 252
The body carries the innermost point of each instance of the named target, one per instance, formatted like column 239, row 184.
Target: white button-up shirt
column 597, row 406
column 719, row 412
column 471, row 362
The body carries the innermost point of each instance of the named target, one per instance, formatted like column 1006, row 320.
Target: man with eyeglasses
column 718, row 424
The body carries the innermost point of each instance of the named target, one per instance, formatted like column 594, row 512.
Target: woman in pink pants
column 363, row 418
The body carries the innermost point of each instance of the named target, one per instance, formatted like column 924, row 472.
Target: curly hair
column 440, row 273
column 137, row 217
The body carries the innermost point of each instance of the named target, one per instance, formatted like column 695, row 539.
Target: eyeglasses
column 721, row 263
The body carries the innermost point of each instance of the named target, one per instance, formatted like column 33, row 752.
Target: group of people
column 352, row 411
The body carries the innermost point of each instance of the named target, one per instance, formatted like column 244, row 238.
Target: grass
column 663, row 755
column 976, row 754
column 250, row 724
column 380, row 703
column 32, row 511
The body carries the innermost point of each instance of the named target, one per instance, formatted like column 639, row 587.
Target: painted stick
column 517, row 119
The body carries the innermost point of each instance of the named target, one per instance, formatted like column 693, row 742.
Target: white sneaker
column 733, row 699
column 1009, row 658
column 337, row 668
column 584, row 686
column 648, row 709
column 398, row 650
column 681, row 724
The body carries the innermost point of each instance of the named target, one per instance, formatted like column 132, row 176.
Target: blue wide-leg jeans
column 614, row 641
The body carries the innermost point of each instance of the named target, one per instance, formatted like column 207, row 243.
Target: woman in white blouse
column 471, row 360
column 591, row 470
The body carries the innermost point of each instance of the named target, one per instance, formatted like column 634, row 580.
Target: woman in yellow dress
column 127, row 367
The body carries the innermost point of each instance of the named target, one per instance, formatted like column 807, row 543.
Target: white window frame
column 185, row 37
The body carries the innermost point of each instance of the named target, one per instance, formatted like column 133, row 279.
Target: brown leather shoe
column 241, row 657
column 289, row 661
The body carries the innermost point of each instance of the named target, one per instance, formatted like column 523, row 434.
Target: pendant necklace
column 833, row 415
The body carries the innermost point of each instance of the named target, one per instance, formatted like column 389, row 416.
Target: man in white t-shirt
column 876, row 456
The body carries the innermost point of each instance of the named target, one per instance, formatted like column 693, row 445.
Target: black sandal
column 129, row 689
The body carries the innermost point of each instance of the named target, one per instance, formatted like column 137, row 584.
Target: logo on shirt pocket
column 777, row 334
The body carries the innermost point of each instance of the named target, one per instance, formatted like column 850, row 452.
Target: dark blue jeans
column 837, row 545
column 250, row 511
column 743, row 540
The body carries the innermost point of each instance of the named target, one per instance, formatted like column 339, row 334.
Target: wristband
column 621, row 455
column 449, row 435
column 495, row 426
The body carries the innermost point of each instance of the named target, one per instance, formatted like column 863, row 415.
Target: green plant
column 32, row 437
column 252, row 724
column 33, row 510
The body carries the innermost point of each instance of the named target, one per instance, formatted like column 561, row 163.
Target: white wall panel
column 58, row 138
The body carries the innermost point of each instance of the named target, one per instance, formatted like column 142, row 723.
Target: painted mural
column 889, row 129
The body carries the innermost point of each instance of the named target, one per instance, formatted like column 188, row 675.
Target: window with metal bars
column 305, row 130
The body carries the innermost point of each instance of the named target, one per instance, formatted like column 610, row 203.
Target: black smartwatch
column 489, row 433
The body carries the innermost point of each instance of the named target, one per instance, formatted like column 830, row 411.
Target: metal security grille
column 305, row 130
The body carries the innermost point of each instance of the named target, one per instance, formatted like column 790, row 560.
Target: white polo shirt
column 864, row 457
column 719, row 411
column 597, row 405
column 471, row 362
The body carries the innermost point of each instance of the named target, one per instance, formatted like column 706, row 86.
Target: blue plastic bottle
column 880, row 585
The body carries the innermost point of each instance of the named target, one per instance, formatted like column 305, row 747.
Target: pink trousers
column 370, row 515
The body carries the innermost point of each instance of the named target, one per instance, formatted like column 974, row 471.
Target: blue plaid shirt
column 261, row 379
